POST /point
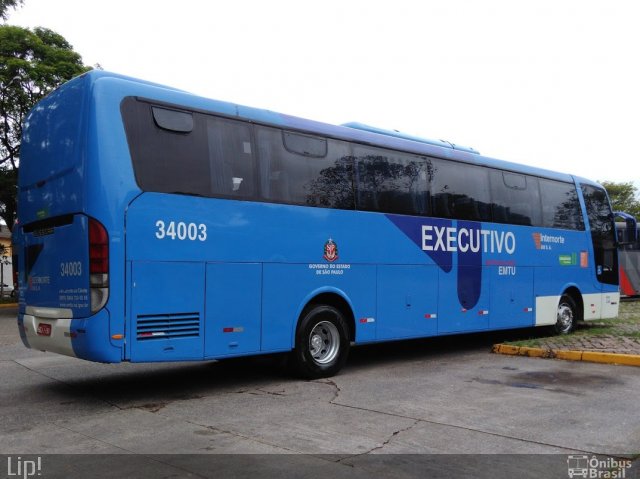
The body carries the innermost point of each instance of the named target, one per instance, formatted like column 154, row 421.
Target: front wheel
column 322, row 342
column 566, row 316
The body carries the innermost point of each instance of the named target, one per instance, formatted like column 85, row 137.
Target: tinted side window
column 189, row 153
column 299, row 173
column 560, row 205
column 231, row 158
column 460, row 191
column 516, row 198
column 392, row 182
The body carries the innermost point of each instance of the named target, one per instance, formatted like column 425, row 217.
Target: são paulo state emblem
column 330, row 251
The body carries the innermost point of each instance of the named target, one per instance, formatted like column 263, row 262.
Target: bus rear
column 63, row 250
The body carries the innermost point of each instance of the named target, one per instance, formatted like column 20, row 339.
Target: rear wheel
column 566, row 316
column 322, row 342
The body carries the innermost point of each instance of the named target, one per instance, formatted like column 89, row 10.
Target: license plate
column 44, row 329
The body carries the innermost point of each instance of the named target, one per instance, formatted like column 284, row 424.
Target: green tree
column 624, row 197
column 5, row 5
column 32, row 64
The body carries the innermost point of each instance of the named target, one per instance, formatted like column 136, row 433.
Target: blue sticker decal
column 469, row 268
column 440, row 239
column 427, row 235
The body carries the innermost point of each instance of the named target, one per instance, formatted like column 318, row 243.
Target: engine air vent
column 167, row 326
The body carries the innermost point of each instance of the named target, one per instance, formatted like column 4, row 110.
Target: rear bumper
column 57, row 341
column 47, row 329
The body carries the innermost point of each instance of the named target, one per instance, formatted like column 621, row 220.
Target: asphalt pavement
column 441, row 406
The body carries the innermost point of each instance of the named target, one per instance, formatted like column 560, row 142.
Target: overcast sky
column 550, row 83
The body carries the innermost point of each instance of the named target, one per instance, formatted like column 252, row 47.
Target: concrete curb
column 9, row 305
column 588, row 356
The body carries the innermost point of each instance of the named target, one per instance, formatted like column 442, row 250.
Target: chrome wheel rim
column 564, row 318
column 324, row 342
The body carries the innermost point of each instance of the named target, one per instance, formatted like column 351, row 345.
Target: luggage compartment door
column 167, row 311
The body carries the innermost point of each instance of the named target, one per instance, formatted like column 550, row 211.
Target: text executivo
column 451, row 239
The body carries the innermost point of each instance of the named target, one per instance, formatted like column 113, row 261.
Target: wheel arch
column 576, row 295
column 331, row 297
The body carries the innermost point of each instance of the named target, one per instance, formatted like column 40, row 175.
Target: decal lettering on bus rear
column 73, row 298
column 71, row 268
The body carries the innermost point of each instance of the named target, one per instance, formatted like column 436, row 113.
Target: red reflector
column 237, row 329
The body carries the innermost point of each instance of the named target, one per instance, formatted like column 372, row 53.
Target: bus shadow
column 437, row 347
column 152, row 386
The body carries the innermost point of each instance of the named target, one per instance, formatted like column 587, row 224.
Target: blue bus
column 156, row 225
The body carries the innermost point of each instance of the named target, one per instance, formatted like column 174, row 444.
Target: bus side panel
column 550, row 283
column 90, row 338
column 233, row 313
column 459, row 309
column 512, row 302
column 167, row 311
column 288, row 287
column 629, row 271
column 610, row 302
column 407, row 301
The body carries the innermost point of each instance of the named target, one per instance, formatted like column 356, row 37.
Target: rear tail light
column 98, row 265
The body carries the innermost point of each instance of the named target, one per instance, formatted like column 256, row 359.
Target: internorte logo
column 545, row 242
column 452, row 239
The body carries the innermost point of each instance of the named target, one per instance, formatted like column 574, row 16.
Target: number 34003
column 179, row 230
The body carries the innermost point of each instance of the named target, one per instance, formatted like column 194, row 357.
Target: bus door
column 605, row 250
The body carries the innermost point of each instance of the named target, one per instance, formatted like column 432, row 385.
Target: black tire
column 322, row 342
column 566, row 315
